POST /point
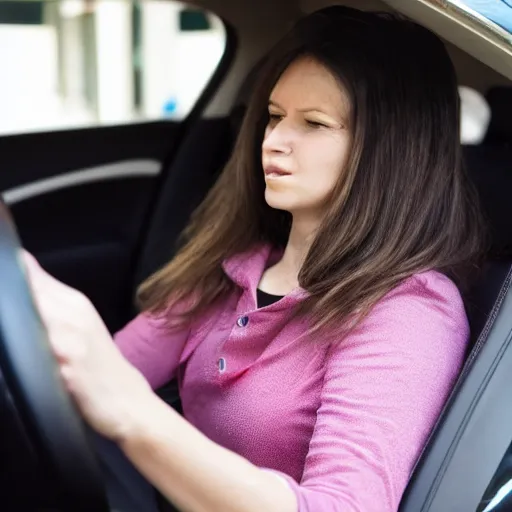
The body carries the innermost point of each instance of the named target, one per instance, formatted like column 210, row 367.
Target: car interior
column 105, row 237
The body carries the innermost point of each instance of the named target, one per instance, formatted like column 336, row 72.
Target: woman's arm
column 196, row 474
column 149, row 345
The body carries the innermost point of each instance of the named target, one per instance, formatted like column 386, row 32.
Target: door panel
column 80, row 200
column 30, row 157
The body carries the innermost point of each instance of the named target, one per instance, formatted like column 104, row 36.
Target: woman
column 312, row 317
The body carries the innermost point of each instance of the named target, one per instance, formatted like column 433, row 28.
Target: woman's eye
column 275, row 118
column 314, row 124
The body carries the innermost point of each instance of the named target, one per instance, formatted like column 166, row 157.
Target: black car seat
column 490, row 168
column 192, row 172
column 500, row 128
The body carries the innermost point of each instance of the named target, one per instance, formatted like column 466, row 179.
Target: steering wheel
column 45, row 457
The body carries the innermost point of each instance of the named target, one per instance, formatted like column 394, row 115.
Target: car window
column 74, row 63
column 496, row 11
column 498, row 495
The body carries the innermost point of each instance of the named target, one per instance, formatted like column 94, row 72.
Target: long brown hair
column 402, row 205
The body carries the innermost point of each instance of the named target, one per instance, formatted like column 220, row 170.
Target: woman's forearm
column 196, row 474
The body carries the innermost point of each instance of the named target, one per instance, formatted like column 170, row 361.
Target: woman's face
column 306, row 140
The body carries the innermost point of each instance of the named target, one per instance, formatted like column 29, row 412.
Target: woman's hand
column 109, row 391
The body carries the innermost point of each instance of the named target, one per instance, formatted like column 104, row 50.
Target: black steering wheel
column 46, row 462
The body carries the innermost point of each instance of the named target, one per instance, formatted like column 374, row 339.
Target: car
column 100, row 195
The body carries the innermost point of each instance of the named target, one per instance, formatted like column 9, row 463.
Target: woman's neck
column 282, row 277
column 301, row 237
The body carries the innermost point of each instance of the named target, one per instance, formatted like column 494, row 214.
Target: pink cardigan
column 342, row 424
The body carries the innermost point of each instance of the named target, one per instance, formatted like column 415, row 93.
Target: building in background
column 74, row 63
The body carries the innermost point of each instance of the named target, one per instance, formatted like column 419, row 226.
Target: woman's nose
column 277, row 139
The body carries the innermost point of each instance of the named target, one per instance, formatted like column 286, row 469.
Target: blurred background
column 77, row 63
column 74, row 63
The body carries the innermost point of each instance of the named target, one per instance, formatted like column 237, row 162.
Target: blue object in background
column 498, row 11
column 170, row 106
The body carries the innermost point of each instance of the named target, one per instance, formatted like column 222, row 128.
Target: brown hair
column 402, row 205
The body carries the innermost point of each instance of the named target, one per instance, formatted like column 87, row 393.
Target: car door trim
column 136, row 168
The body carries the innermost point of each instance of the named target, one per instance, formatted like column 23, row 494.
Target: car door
column 96, row 99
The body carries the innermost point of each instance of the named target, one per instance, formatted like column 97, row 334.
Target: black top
column 265, row 299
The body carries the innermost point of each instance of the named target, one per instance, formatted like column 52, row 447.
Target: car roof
column 480, row 49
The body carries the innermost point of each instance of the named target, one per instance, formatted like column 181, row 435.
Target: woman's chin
column 278, row 203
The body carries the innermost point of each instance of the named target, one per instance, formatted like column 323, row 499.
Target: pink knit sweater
column 342, row 423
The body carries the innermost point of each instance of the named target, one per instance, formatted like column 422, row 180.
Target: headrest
column 475, row 115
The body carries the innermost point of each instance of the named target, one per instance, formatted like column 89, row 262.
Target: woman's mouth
column 275, row 172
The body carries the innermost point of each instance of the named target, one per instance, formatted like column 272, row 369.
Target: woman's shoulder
column 435, row 291
column 435, row 280
column 425, row 310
